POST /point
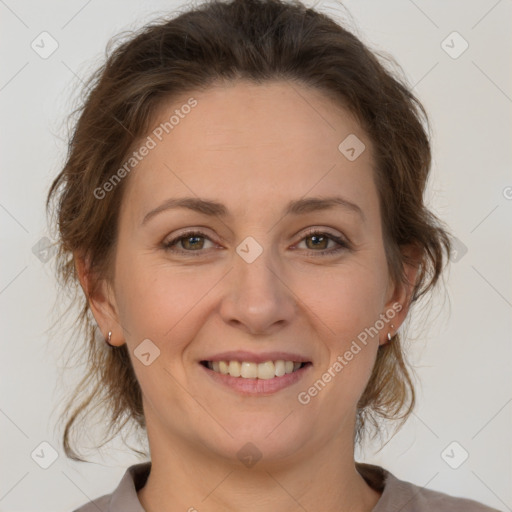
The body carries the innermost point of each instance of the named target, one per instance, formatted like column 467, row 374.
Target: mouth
column 255, row 379
column 249, row 370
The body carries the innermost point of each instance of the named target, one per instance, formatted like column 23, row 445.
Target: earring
column 109, row 338
column 389, row 335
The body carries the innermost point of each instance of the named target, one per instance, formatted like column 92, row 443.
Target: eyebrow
column 295, row 207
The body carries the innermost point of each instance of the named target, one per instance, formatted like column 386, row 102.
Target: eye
column 321, row 239
column 192, row 243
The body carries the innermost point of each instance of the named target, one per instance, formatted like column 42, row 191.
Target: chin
column 260, row 440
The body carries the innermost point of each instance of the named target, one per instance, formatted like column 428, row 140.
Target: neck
column 185, row 478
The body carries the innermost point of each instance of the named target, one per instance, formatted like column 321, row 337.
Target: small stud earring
column 109, row 338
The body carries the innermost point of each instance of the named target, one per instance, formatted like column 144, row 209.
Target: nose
column 259, row 299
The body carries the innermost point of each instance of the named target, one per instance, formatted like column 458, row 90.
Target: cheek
column 347, row 304
column 161, row 302
column 346, row 299
column 142, row 305
column 346, row 313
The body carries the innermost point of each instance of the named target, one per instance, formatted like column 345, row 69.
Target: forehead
column 251, row 143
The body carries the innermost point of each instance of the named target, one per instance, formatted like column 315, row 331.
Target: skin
column 253, row 148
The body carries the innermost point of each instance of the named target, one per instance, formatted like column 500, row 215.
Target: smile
column 256, row 379
column 249, row 370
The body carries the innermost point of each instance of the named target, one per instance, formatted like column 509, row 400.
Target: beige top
column 397, row 495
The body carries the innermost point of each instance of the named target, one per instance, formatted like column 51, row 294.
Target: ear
column 400, row 294
column 101, row 301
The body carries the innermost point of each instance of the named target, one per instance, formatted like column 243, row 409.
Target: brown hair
column 256, row 40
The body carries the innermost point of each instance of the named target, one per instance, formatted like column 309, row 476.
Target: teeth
column 234, row 368
column 280, row 368
column 248, row 370
column 265, row 370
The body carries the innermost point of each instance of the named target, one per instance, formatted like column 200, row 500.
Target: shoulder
column 403, row 496
column 124, row 498
column 99, row 504
column 420, row 498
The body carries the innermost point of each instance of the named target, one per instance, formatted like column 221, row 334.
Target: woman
column 242, row 205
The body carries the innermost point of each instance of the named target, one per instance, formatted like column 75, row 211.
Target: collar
column 397, row 495
column 125, row 499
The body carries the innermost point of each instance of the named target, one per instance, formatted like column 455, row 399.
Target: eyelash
column 343, row 244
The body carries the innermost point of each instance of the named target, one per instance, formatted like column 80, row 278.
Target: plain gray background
column 462, row 354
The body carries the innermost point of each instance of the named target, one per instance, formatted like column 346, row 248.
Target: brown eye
column 190, row 242
column 318, row 241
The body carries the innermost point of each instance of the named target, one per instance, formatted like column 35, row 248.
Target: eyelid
column 324, row 231
column 187, row 233
column 343, row 243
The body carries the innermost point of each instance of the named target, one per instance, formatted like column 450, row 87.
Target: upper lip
column 250, row 357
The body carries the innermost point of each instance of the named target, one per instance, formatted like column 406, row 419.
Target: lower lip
column 257, row 387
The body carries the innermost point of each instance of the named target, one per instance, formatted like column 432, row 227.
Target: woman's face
column 253, row 280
